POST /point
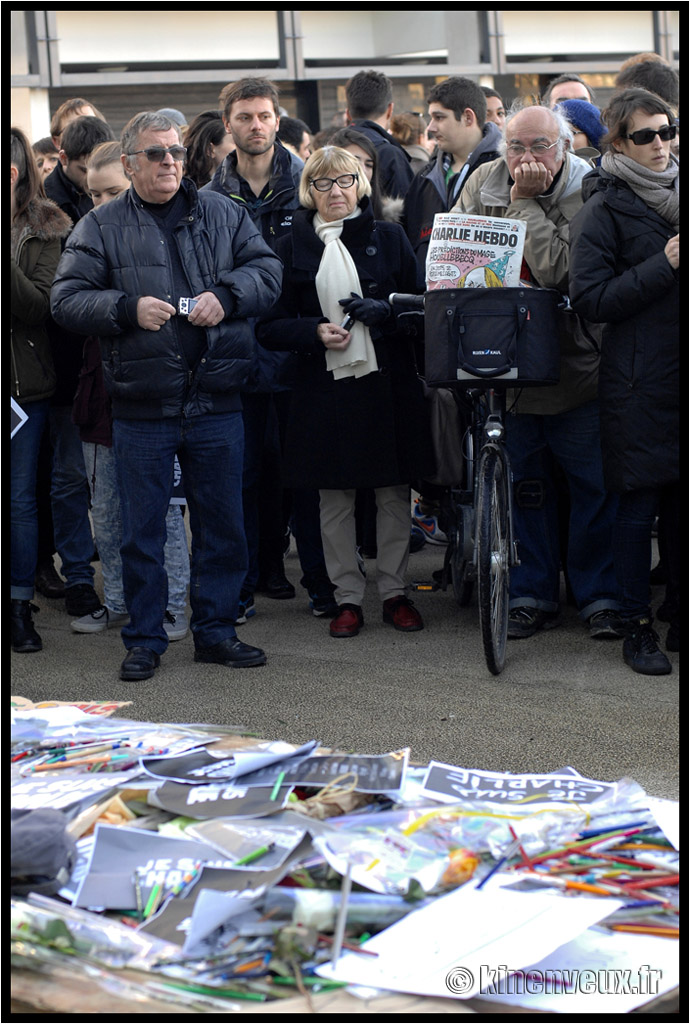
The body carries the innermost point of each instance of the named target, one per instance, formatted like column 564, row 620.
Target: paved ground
column 563, row 698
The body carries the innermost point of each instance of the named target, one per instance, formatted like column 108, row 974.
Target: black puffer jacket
column 118, row 252
column 35, row 251
column 619, row 276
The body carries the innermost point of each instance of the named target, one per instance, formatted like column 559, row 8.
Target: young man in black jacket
column 466, row 140
column 369, row 110
column 263, row 177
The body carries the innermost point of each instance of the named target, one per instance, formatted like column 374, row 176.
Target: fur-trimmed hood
column 393, row 208
column 42, row 219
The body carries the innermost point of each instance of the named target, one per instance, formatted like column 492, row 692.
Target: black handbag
column 501, row 336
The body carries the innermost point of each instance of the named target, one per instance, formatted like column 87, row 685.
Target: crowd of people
column 210, row 300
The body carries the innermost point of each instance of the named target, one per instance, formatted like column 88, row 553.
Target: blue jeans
column 572, row 438
column 210, row 449
column 107, row 527
column 24, row 450
column 69, row 496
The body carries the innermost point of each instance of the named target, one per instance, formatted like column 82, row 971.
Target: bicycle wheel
column 493, row 556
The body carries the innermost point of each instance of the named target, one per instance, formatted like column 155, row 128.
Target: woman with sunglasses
column 624, row 261
column 357, row 415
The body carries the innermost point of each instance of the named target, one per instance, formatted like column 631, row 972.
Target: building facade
column 126, row 60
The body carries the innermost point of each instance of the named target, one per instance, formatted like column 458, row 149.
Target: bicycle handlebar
column 404, row 302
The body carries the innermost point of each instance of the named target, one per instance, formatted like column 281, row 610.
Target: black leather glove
column 367, row 311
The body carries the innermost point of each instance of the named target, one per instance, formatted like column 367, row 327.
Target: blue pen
column 588, row 833
column 638, row 903
column 497, row 867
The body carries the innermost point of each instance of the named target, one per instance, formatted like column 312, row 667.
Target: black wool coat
column 619, row 276
column 370, row 431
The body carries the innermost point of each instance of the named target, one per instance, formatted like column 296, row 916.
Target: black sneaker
column 524, row 621
column 48, row 581
column 276, row 585
column 666, row 612
column 322, row 602
column 673, row 637
column 605, row 624
column 81, row 599
column 641, row 650
column 245, row 609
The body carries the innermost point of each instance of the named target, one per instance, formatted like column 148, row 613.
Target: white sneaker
column 175, row 626
column 96, row 622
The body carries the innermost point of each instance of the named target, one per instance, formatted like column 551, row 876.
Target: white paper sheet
column 667, row 816
column 596, row 974
column 445, row 948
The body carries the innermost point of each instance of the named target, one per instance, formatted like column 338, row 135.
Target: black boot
column 25, row 639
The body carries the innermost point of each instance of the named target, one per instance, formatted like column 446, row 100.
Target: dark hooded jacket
column 66, row 345
column 428, row 193
column 272, row 213
column 395, row 168
column 35, row 252
column 75, row 203
column 118, row 253
column 620, row 277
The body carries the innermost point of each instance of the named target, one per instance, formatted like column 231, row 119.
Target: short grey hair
column 147, row 120
column 565, row 132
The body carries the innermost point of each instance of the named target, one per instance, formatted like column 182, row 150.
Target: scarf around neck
column 336, row 278
column 658, row 189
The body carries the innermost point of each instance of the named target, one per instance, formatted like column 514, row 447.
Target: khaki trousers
column 392, row 542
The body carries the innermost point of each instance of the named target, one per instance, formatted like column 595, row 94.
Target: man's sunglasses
column 156, row 154
column 646, row 135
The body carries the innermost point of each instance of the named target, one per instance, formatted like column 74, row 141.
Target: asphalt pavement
column 562, row 699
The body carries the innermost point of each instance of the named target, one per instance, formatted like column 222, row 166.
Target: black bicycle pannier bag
column 502, row 336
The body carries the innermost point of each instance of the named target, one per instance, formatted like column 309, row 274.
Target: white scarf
column 336, row 278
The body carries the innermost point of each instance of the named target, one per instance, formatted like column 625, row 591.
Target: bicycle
column 477, row 512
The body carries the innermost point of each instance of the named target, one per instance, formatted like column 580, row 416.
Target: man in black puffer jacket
column 173, row 373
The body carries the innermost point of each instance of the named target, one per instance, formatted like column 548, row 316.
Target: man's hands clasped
column 152, row 313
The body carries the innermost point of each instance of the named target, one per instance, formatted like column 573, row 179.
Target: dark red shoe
column 348, row 621
column 402, row 614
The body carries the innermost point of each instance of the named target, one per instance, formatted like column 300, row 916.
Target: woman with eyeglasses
column 624, row 258
column 357, row 416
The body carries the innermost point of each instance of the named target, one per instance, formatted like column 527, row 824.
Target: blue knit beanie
column 584, row 117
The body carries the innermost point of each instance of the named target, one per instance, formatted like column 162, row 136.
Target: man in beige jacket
column 538, row 180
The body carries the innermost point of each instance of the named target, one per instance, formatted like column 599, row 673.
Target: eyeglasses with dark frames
column 326, row 184
column 157, row 154
column 643, row 136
